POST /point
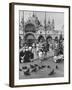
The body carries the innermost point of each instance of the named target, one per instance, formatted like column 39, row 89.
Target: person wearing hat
column 61, row 47
column 26, row 55
column 31, row 55
column 56, row 44
column 30, row 48
column 37, row 49
column 21, row 55
column 48, row 40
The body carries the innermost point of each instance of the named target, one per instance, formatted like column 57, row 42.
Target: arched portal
column 49, row 39
column 29, row 38
column 41, row 38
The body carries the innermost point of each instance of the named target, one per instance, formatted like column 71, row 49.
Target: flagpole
column 45, row 24
column 23, row 21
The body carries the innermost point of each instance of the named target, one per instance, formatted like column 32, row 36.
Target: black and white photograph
column 39, row 44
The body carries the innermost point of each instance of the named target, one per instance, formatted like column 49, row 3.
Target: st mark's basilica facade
column 32, row 30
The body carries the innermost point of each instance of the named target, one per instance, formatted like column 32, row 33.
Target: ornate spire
column 53, row 24
column 45, row 21
column 33, row 14
column 52, row 21
column 49, row 21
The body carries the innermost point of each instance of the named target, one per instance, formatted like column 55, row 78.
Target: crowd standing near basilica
column 42, row 48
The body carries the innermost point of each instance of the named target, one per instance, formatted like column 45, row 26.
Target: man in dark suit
column 28, row 55
column 21, row 55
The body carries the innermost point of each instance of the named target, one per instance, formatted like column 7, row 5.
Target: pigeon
column 35, row 64
column 32, row 66
column 48, row 66
column 40, row 67
column 43, row 66
column 20, row 69
column 56, row 67
column 27, row 72
column 34, row 70
column 25, row 67
column 52, row 72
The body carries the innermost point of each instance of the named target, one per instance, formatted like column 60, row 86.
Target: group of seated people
column 41, row 48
